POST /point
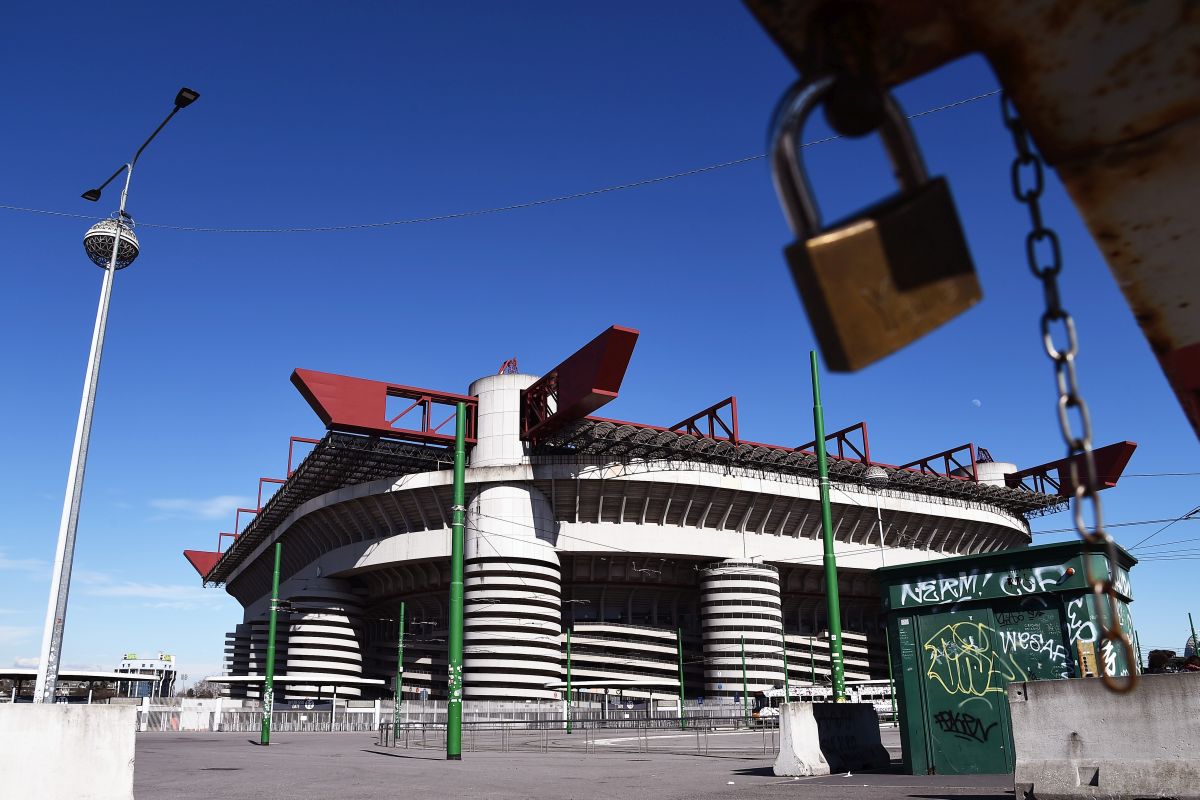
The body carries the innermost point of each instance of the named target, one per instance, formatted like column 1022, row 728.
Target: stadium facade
column 642, row 540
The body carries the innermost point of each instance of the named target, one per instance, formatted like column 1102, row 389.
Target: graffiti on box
column 963, row 725
column 963, row 661
column 974, row 585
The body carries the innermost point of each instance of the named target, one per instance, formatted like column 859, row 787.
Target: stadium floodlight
column 110, row 244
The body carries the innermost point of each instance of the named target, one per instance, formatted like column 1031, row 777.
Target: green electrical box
column 962, row 629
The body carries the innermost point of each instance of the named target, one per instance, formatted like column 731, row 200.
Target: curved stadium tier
column 641, row 540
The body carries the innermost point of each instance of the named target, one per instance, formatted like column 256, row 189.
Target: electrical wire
column 1169, row 524
column 496, row 209
column 1129, row 524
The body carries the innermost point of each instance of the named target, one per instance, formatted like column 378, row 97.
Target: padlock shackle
column 787, row 167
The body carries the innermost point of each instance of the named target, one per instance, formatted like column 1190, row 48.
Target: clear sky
column 312, row 115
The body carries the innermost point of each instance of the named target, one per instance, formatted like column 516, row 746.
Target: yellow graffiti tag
column 962, row 660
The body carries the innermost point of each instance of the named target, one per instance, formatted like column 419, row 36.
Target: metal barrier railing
column 591, row 735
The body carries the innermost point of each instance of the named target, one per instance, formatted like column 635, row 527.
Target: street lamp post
column 877, row 479
column 113, row 256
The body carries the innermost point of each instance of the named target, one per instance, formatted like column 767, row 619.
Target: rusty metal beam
column 1109, row 91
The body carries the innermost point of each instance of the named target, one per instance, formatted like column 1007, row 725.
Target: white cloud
column 180, row 597
column 29, row 662
column 222, row 505
column 20, row 564
column 10, row 634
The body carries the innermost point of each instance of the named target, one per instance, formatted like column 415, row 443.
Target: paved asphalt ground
column 349, row 766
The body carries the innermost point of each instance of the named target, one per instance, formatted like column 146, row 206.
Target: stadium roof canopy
column 380, row 430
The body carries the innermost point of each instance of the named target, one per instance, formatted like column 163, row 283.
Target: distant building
column 155, row 676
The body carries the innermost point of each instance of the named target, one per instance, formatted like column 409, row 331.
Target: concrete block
column 815, row 738
column 1076, row 740
column 799, row 743
column 83, row 752
column 850, row 736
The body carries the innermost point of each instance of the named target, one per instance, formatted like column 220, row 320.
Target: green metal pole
column 399, row 672
column 679, row 647
column 832, row 602
column 269, row 677
column 787, row 681
column 887, row 642
column 568, row 680
column 455, row 644
column 745, row 686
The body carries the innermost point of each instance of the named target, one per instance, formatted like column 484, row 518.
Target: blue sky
column 311, row 116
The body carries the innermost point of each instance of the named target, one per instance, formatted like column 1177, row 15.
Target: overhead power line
column 1189, row 515
column 620, row 187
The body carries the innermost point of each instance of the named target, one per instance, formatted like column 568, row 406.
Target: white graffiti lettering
column 1034, row 642
column 974, row 584
column 1121, row 583
column 1080, row 630
column 1037, row 580
column 943, row 589
column 1109, row 653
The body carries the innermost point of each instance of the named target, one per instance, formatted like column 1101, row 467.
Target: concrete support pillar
column 324, row 633
column 741, row 598
column 512, row 643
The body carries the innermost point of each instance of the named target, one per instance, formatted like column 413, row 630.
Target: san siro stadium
column 655, row 546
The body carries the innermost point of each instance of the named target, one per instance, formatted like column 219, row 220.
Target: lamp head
column 186, row 97
column 875, row 477
column 91, row 194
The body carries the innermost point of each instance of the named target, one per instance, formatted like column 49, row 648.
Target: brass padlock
column 891, row 273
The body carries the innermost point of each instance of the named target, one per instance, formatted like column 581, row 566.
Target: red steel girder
column 261, row 481
column 291, row 450
column 859, row 452
column 1110, row 463
column 578, row 386
column 709, row 424
column 358, row 405
column 202, row 560
column 950, row 461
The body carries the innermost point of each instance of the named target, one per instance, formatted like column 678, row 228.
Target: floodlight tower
column 112, row 245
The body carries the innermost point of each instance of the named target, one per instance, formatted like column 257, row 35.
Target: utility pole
column 455, row 644
column 745, row 685
column 568, row 680
column 269, row 676
column 399, row 672
column 832, row 603
column 679, row 647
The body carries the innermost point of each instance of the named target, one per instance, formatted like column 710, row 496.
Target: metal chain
column 1028, row 183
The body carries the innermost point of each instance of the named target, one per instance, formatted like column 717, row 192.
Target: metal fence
column 244, row 721
column 706, row 736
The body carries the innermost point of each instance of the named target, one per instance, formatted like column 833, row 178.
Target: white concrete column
column 741, row 598
column 324, row 633
column 498, row 421
column 513, row 630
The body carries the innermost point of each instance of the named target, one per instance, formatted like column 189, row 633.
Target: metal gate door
column 965, row 674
